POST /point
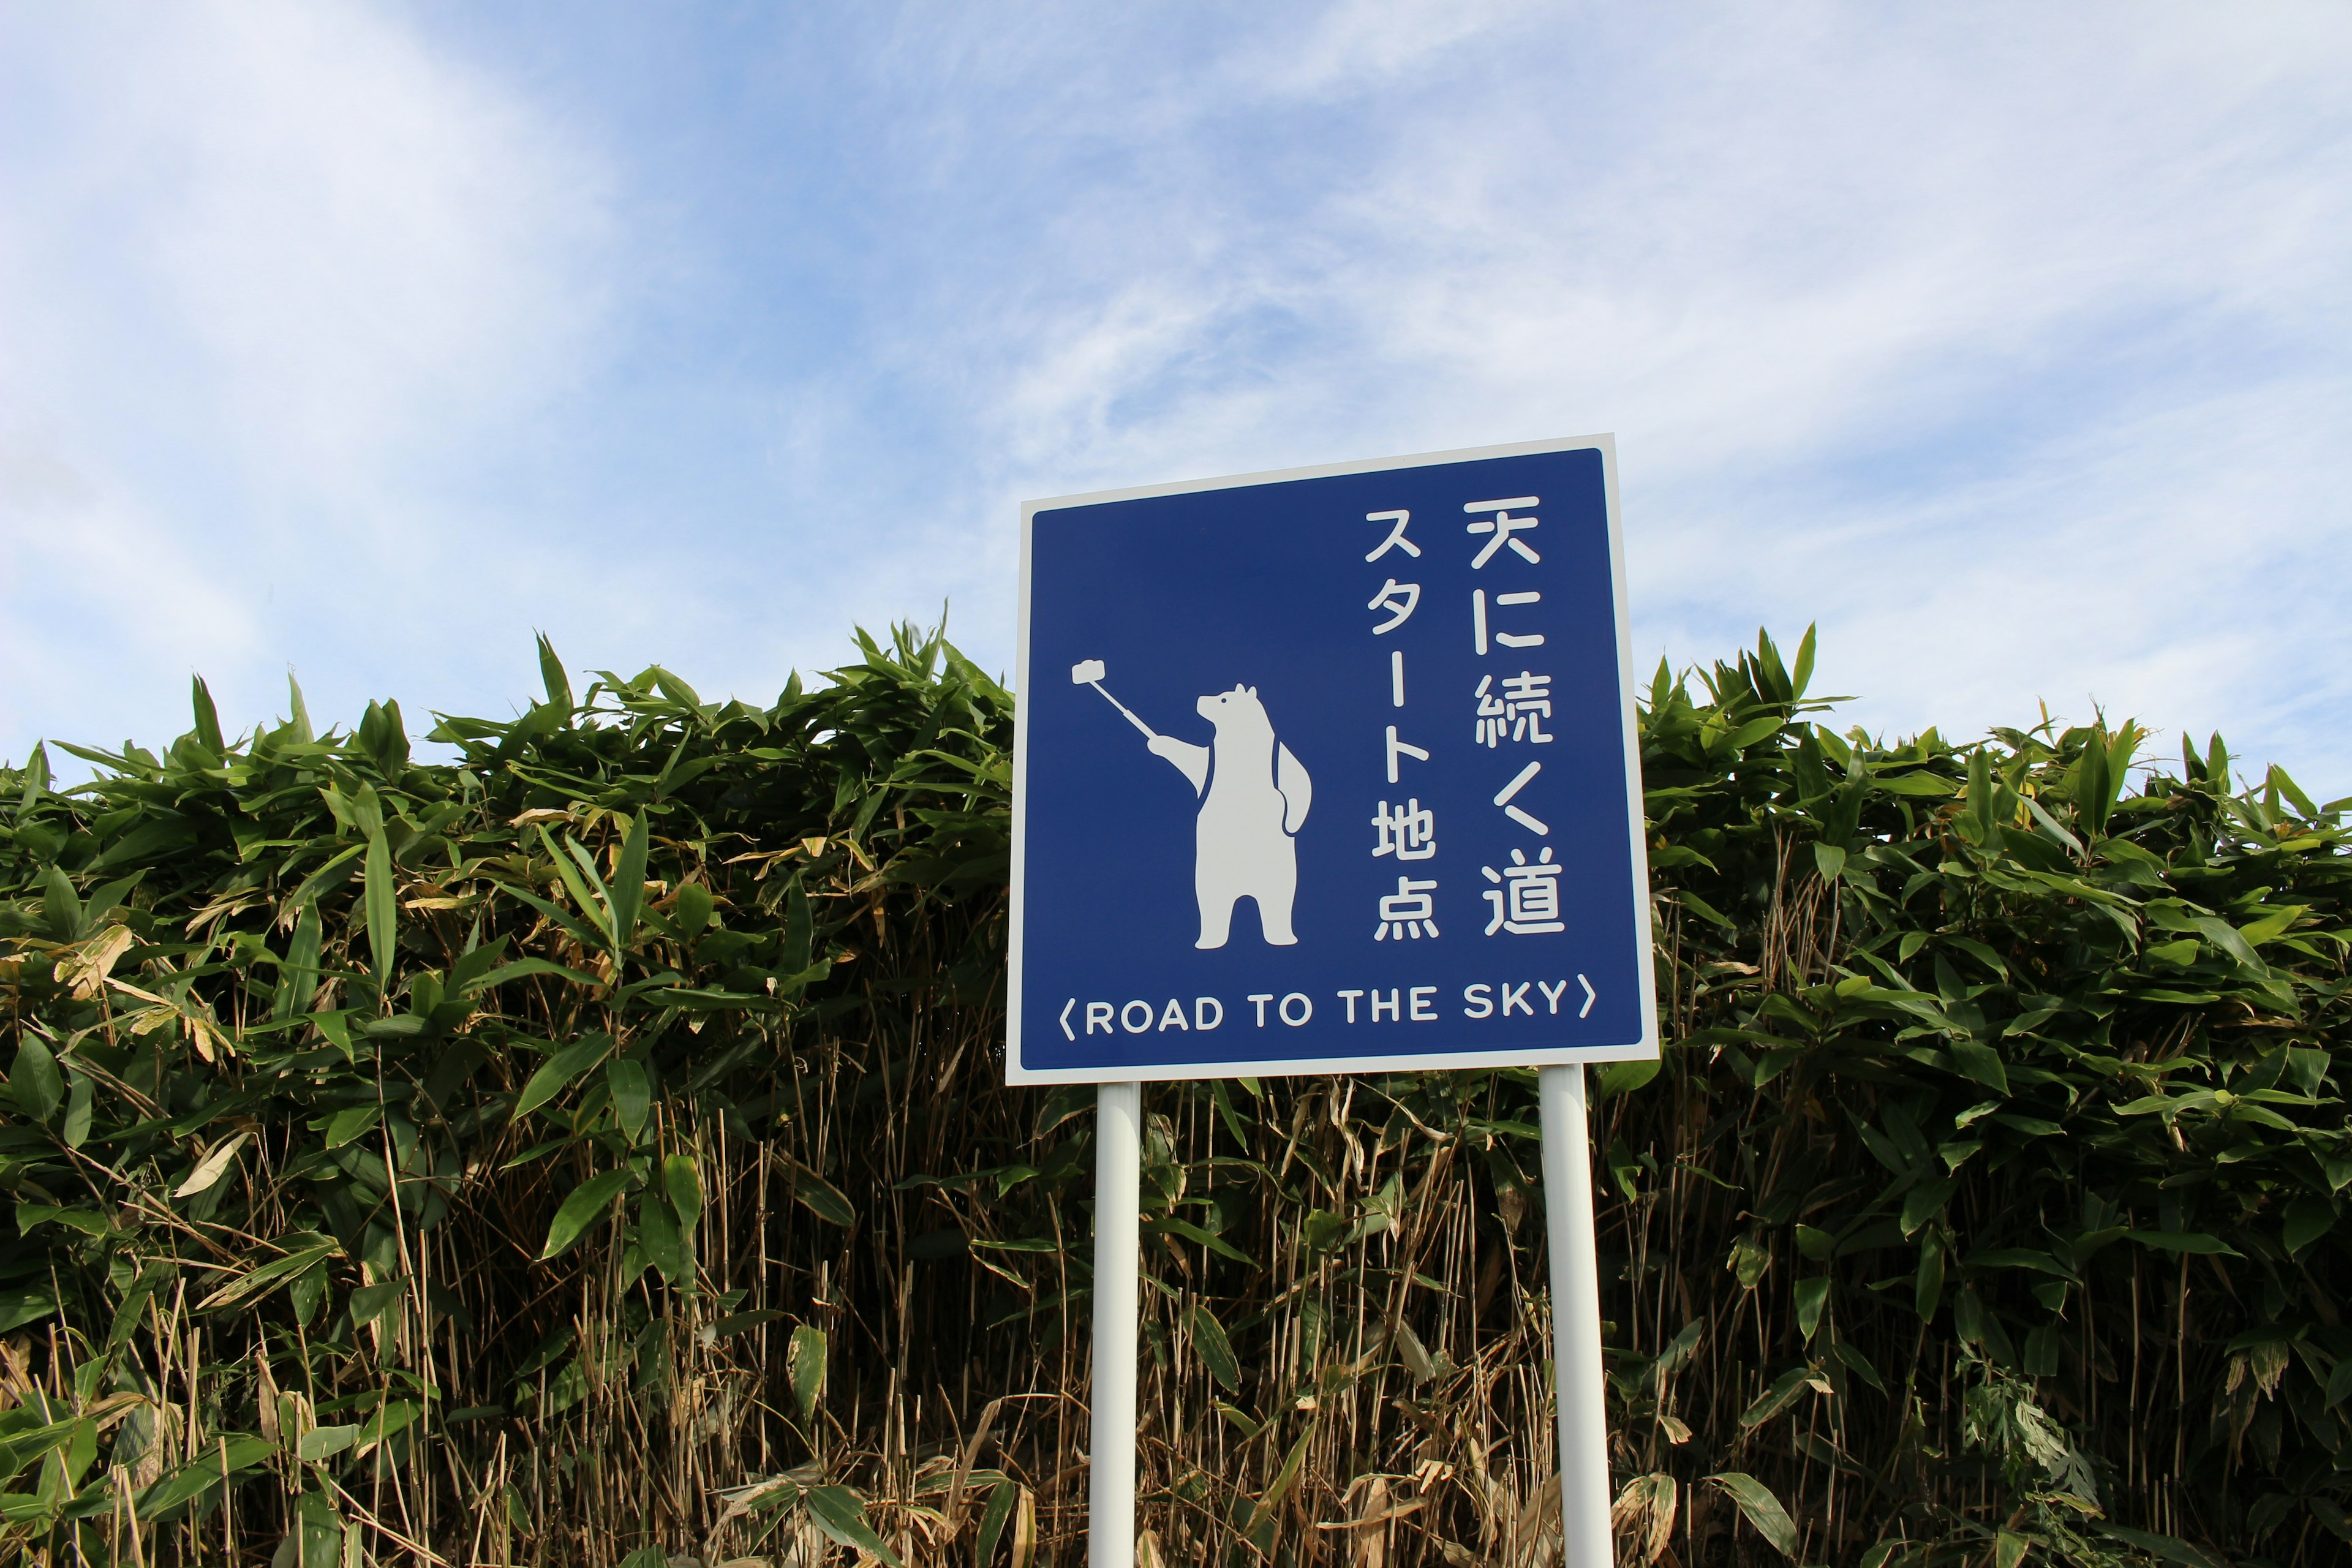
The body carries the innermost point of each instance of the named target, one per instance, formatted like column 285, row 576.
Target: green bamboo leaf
column 388, row 1420
column 1977, row 1060
column 991, row 1521
column 351, row 1124
column 1624, row 1078
column 587, row 1207
column 308, row 1250
column 2278, row 780
column 2165, row 1548
column 1215, row 1349
column 385, row 736
column 1802, row 674
column 321, row 1444
column 1931, row 787
column 1292, row 1463
column 224, row 1456
column 1859, row 1364
column 799, row 929
column 577, row 868
column 586, row 935
column 473, row 970
column 628, row 886
column 1194, row 1234
column 841, row 1514
column 2309, row 1219
column 208, row 730
column 683, row 1184
column 382, row 908
column 362, row 809
column 671, row 687
column 89, row 1221
column 1927, row 1290
column 1750, row 734
column 23, row 1304
column 34, row 1082
column 2183, row 1241
column 805, row 1360
column 1761, row 1509
column 2094, row 785
column 298, row 977
column 552, row 673
column 28, row 1444
column 60, row 905
column 37, row 781
column 1926, row 1201
column 1785, row 1390
column 2017, row 1258
column 2227, row 937
column 152, row 1277
column 633, row 1094
column 1812, row 1297
column 822, row 1198
column 369, row 1302
column 1677, row 1352
column 692, row 910
column 657, row 1233
column 524, row 968
column 330, row 876
column 559, row 1071
column 1704, row 909
column 297, row 712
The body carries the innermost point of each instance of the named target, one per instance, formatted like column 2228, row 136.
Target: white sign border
column 1645, row 1049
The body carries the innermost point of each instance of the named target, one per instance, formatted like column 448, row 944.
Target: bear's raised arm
column 1190, row 761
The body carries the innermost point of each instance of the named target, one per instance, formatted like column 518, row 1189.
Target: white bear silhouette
column 1256, row 799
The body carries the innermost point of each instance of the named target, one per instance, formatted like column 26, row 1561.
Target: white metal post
column 1118, row 1268
column 1575, row 1321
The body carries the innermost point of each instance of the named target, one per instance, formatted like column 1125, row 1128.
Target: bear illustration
column 1255, row 797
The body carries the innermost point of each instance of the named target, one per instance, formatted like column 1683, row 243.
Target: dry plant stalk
column 593, row 1151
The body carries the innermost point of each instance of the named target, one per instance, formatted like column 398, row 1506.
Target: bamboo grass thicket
column 593, row 1148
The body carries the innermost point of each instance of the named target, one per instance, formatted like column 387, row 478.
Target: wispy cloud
column 2005, row 343
column 289, row 270
column 2005, row 352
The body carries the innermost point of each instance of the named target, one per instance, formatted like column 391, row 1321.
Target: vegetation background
column 594, row 1150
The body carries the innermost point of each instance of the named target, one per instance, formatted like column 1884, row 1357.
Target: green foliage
column 330, row 1064
column 2016, row 1095
column 592, row 1146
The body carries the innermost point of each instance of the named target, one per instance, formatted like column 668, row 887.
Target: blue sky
column 2010, row 343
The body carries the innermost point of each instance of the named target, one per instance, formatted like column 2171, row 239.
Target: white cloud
column 2004, row 345
column 291, row 268
column 78, row 555
column 2006, row 342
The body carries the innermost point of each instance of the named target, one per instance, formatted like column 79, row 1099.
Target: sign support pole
column 1575, row 1320
column 1118, row 1268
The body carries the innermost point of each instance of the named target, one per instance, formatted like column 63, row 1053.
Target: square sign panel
column 1330, row 771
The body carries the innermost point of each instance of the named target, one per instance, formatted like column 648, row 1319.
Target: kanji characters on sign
column 1527, row 903
column 1409, row 832
column 1407, row 912
column 1516, row 713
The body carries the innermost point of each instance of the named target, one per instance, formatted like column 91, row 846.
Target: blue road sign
column 1330, row 771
